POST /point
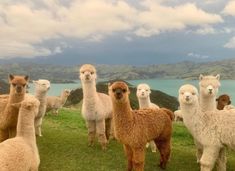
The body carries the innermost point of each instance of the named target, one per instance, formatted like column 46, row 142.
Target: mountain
column 65, row 74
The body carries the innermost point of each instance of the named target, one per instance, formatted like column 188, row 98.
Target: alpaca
column 222, row 101
column 134, row 128
column 54, row 103
column 212, row 130
column 41, row 89
column 208, row 86
column 21, row 153
column 9, row 115
column 143, row 94
column 96, row 107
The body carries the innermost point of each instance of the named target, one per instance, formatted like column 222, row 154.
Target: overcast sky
column 117, row 32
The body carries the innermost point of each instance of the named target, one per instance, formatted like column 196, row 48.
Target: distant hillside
column 157, row 97
column 65, row 74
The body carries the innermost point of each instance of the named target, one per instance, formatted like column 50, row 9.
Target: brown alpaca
column 222, row 101
column 9, row 114
column 134, row 128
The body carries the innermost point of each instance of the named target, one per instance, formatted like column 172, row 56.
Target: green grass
column 63, row 147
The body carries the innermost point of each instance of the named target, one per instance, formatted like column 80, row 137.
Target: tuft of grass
column 63, row 147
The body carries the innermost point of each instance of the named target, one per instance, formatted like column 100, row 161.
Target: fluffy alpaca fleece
column 143, row 94
column 212, row 130
column 21, row 153
column 208, row 86
column 41, row 89
column 134, row 128
column 222, row 101
column 54, row 103
column 9, row 114
column 96, row 107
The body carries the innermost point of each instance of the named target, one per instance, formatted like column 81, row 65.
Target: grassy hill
column 65, row 74
column 63, row 147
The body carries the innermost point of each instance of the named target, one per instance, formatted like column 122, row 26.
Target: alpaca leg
column 153, row 146
column 37, row 124
column 100, row 128
column 209, row 158
column 221, row 161
column 108, row 127
column 91, row 126
column 164, row 148
column 12, row 132
column 138, row 159
column 129, row 154
column 4, row 134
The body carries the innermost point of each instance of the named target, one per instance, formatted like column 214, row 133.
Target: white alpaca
column 96, row 107
column 143, row 94
column 208, row 87
column 41, row 89
column 21, row 153
column 54, row 103
column 212, row 130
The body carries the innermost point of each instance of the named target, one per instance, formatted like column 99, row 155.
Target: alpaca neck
column 41, row 95
column 208, row 103
column 25, row 127
column 89, row 89
column 144, row 102
column 122, row 114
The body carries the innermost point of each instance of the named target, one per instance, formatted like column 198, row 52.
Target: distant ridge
column 65, row 74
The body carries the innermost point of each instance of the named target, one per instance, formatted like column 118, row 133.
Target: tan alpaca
column 96, row 107
column 9, row 114
column 21, row 153
column 54, row 103
column 134, row 128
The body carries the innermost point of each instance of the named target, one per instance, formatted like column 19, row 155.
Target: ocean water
column 170, row 87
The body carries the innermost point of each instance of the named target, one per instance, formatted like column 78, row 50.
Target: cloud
column 197, row 56
column 230, row 44
column 25, row 25
column 229, row 8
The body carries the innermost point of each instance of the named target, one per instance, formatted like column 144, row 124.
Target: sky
column 116, row 31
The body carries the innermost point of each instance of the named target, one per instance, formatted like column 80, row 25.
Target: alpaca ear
column 16, row 105
column 217, row 77
column 26, row 78
column 201, row 77
column 10, row 77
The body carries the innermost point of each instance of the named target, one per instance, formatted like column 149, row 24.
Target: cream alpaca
column 212, row 130
column 9, row 115
column 21, row 153
column 96, row 107
column 54, row 103
column 41, row 89
column 143, row 94
column 209, row 86
column 134, row 128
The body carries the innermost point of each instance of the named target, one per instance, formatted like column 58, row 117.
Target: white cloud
column 229, row 8
column 230, row 44
column 197, row 56
column 25, row 25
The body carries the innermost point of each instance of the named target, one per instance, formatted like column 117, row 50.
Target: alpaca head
column 42, row 85
column 223, row 100
column 18, row 84
column 209, row 85
column 119, row 92
column 188, row 95
column 66, row 93
column 87, row 73
column 143, row 91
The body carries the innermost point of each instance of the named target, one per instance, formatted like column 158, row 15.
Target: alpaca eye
column 13, row 84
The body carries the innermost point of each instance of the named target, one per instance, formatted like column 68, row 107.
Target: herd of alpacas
column 210, row 120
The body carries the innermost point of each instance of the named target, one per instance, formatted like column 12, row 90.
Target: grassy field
column 63, row 147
